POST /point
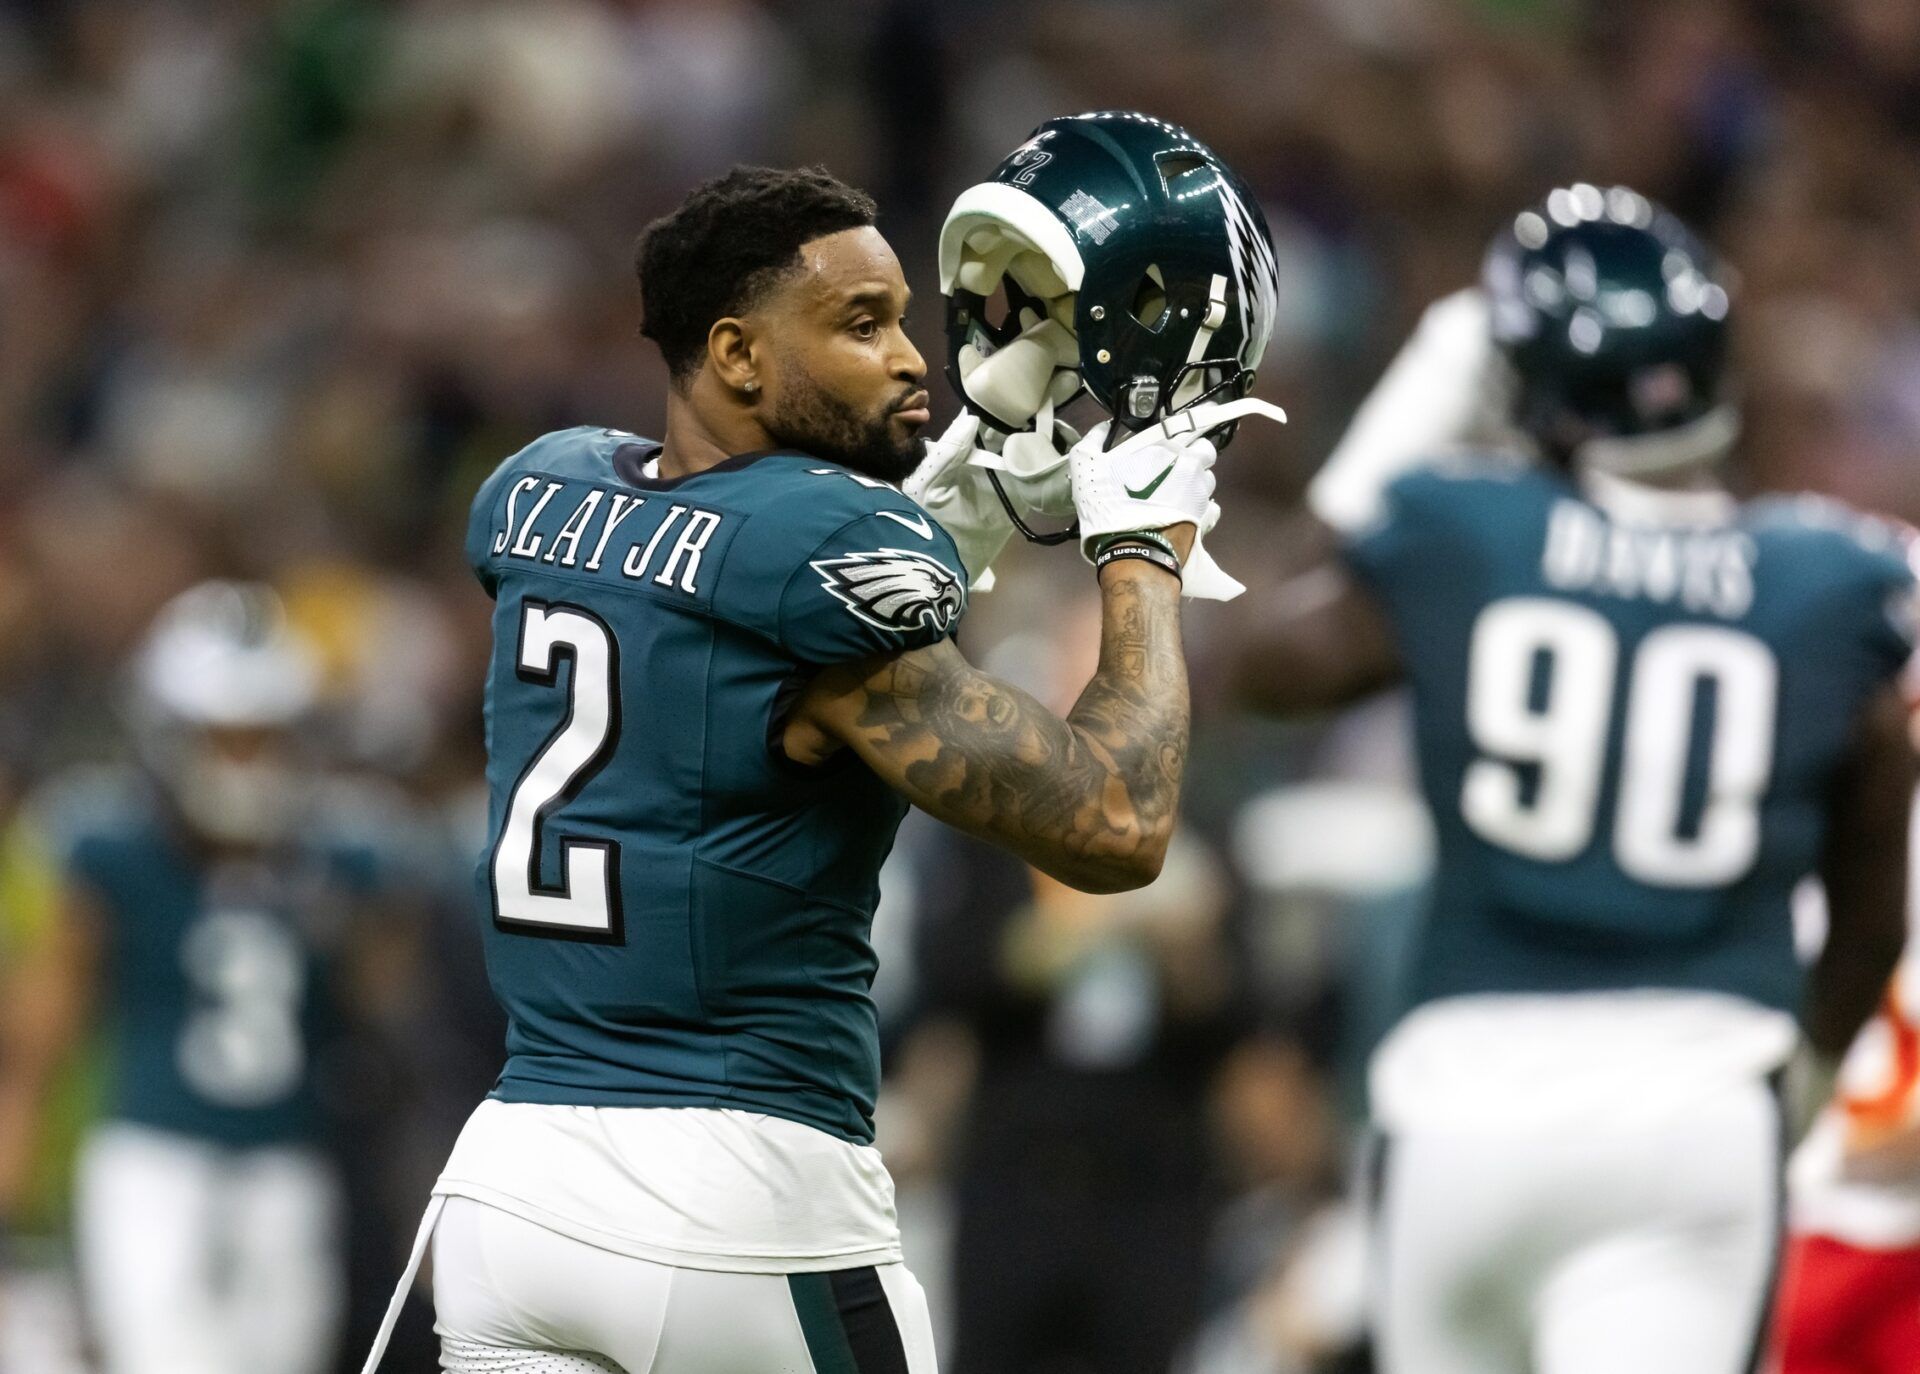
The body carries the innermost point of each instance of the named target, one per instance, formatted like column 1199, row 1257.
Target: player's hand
column 951, row 484
column 1446, row 389
column 1150, row 481
column 1160, row 480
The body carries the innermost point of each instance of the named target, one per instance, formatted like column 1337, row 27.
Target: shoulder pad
column 1855, row 559
column 1460, row 482
column 1813, row 512
column 366, row 828
column 90, row 805
column 584, row 451
column 819, row 495
column 835, row 566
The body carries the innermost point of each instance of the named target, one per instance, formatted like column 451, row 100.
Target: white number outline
column 585, row 903
column 1569, row 730
column 1030, row 161
column 243, row 1043
column 1668, row 664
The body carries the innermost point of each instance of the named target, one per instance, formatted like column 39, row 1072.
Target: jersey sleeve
column 1903, row 614
column 1880, row 581
column 882, row 582
column 496, row 505
column 80, row 819
column 1403, row 534
column 482, row 525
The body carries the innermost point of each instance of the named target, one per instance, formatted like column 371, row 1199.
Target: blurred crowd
column 281, row 280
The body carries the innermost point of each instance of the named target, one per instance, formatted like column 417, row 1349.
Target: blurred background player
column 1850, row 1285
column 1645, row 712
column 214, row 903
column 1849, row 1299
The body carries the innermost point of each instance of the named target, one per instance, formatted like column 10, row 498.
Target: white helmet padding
column 995, row 211
column 1017, row 379
column 996, row 232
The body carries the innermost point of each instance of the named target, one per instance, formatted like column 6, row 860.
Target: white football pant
column 200, row 1260
column 512, row 1297
column 1589, row 1248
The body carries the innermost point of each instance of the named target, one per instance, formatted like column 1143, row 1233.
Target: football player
column 1644, row 712
column 1850, row 1287
column 724, row 667
column 209, row 902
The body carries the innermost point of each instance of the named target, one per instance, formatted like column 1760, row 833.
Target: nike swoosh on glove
column 1160, row 477
column 1149, row 481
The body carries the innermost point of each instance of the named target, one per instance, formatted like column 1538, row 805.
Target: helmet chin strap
column 1191, row 385
column 1031, row 452
column 1700, row 443
column 1027, row 454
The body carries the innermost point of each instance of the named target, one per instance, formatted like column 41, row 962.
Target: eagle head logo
column 895, row 589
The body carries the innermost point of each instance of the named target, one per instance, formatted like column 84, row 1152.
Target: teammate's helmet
column 1615, row 319
column 218, row 683
column 1132, row 257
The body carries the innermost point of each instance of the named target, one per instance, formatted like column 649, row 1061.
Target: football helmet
column 1614, row 317
column 1134, row 264
column 219, row 685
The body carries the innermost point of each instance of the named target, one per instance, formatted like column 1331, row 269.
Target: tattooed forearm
column 1091, row 798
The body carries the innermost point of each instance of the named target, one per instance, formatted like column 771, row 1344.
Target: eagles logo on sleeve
column 895, row 589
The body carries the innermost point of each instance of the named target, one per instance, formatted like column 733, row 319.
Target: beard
column 811, row 420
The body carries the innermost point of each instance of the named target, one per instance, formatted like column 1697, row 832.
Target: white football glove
column 1149, row 481
column 951, row 485
column 1158, row 478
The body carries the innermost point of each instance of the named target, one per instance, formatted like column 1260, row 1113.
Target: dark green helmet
column 1134, row 239
column 1615, row 319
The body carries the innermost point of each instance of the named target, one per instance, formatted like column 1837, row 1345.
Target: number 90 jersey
column 1628, row 711
column 676, row 914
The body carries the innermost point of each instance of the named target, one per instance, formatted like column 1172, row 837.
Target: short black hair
column 730, row 240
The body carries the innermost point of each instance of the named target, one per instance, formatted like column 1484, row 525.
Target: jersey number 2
column 1560, row 737
column 585, row 905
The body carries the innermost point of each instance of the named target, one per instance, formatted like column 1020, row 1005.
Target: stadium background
column 279, row 282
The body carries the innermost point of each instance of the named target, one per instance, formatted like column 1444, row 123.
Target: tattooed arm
column 1319, row 638
column 1089, row 799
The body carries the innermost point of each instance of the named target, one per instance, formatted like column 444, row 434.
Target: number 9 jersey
column 676, row 915
column 1629, row 707
column 219, row 973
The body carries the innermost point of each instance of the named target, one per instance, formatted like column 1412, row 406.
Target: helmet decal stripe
column 1256, row 274
column 1089, row 216
column 1191, row 385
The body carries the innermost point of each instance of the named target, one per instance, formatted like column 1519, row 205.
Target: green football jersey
column 676, row 914
column 1627, row 731
column 219, row 976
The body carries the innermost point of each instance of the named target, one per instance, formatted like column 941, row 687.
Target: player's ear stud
column 749, row 386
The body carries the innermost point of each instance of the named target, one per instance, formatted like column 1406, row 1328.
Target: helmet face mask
column 1614, row 318
column 1133, row 235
